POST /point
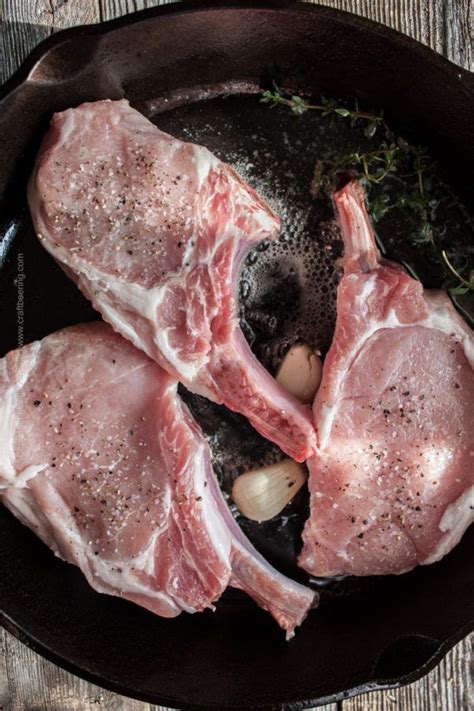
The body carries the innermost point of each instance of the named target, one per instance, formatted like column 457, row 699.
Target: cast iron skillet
column 367, row 634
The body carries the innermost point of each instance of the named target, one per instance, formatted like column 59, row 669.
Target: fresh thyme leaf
column 425, row 234
column 379, row 207
column 460, row 290
column 371, row 129
column 298, row 106
column 342, row 112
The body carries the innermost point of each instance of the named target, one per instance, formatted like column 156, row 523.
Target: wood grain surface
column 30, row 683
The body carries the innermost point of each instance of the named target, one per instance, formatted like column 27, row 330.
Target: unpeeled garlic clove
column 262, row 493
column 300, row 372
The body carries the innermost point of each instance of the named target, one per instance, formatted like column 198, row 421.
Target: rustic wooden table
column 28, row 682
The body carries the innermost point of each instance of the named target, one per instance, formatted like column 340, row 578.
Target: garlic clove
column 300, row 372
column 262, row 493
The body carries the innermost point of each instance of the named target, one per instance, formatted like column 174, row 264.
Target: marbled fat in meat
column 154, row 230
column 392, row 483
column 103, row 461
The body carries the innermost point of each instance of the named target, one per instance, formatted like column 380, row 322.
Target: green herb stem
column 454, row 271
column 394, row 161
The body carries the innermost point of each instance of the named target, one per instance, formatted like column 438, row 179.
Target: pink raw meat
column 392, row 485
column 154, row 231
column 103, row 461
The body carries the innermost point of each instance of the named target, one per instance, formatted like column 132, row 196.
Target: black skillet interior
column 194, row 69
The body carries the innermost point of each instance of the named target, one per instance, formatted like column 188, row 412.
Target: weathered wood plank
column 28, row 22
column 444, row 25
column 26, row 680
column 38, row 685
column 449, row 687
column 116, row 8
column 5, row 691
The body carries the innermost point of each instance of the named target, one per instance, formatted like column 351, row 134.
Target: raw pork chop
column 154, row 231
column 103, row 461
column 393, row 482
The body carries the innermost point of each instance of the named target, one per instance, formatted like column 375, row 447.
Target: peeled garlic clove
column 300, row 372
column 262, row 493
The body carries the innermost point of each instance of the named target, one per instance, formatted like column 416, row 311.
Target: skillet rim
column 373, row 685
column 191, row 6
column 464, row 80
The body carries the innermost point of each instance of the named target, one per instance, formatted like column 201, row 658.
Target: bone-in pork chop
column 392, row 485
column 103, row 461
column 154, row 231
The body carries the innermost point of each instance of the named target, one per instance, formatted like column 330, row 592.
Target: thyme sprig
column 464, row 285
column 327, row 107
column 394, row 160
